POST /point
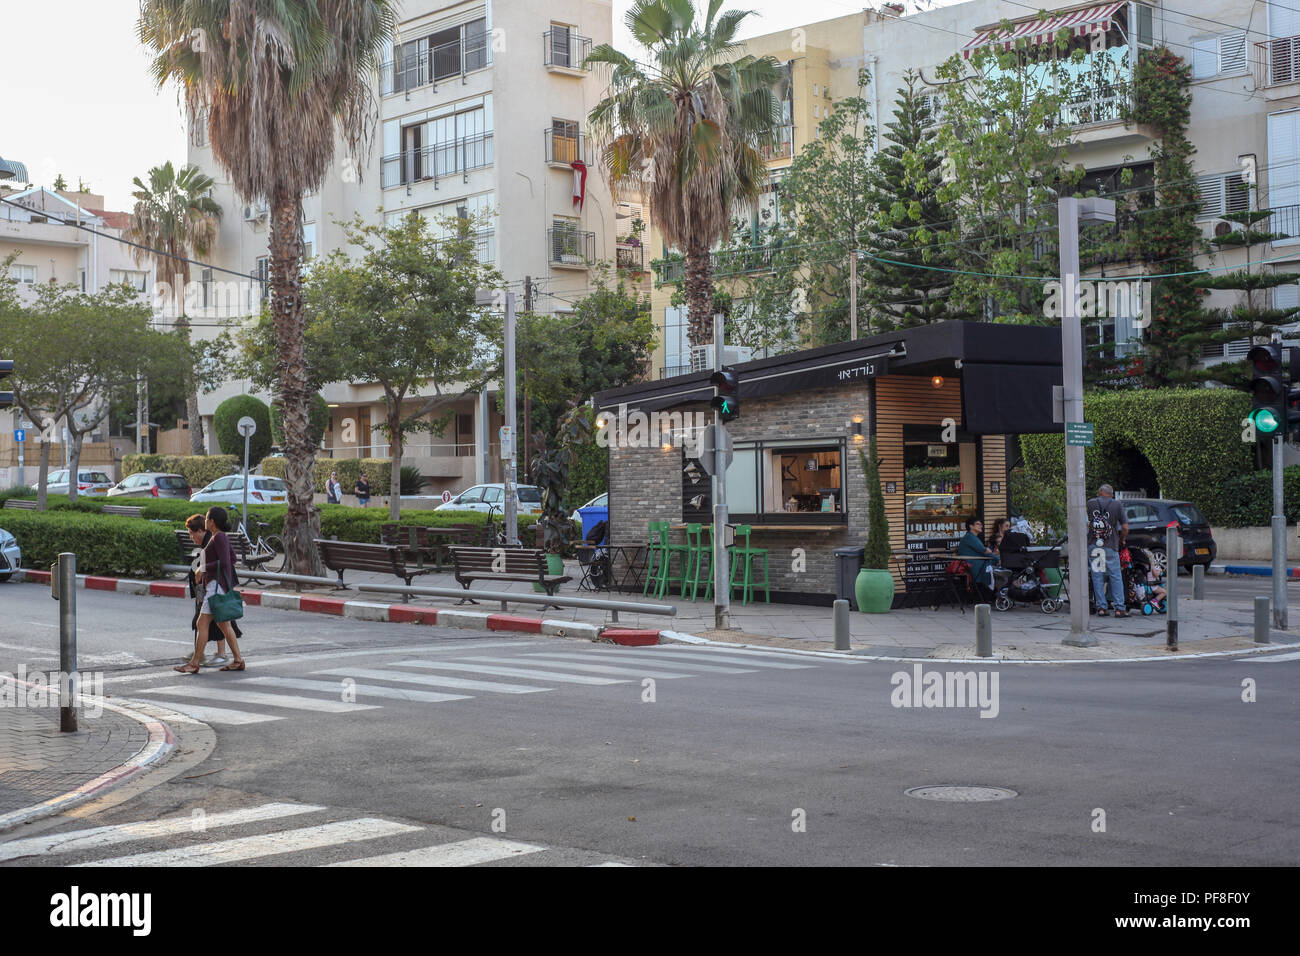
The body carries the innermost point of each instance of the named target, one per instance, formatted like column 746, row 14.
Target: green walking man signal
column 726, row 393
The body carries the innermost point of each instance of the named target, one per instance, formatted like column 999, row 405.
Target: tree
column 404, row 316
column 176, row 218
column 60, row 184
column 225, row 423
column 694, row 119
column 277, row 83
column 906, row 178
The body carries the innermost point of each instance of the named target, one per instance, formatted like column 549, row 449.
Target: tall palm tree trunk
column 191, row 391
column 302, row 522
column 699, row 293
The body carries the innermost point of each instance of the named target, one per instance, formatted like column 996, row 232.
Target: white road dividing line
column 266, row 844
column 74, row 841
column 650, row 662
column 221, row 695
column 361, row 690
column 462, row 853
column 634, row 671
column 560, row 676
column 434, row 680
column 165, row 640
column 725, row 657
column 1271, row 658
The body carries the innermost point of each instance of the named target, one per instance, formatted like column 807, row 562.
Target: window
column 493, row 496
column 473, row 496
column 308, row 240
column 260, row 288
column 205, row 281
column 199, row 129
column 138, row 281
column 439, row 56
column 1222, row 193
column 455, row 141
column 23, row 273
column 1222, row 55
column 771, row 478
column 560, row 47
column 566, row 143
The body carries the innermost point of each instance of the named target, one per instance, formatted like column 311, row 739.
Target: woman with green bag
column 220, row 599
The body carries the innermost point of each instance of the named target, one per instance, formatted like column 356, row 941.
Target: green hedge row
column 379, row 471
column 199, row 470
column 1249, row 499
column 104, row 544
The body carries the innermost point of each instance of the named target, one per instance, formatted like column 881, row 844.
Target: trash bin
column 848, row 562
column 591, row 517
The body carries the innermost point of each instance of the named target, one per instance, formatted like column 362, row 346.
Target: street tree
column 279, row 85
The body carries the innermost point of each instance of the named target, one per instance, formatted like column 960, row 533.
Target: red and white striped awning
column 1080, row 22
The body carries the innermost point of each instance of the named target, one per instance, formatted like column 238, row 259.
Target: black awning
column 1009, row 399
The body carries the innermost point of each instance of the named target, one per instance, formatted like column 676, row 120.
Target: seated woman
column 1000, row 527
column 977, row 555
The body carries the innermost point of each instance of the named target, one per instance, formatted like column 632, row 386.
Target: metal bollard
column 1261, row 619
column 1173, row 551
column 983, row 630
column 1198, row 582
column 841, row 615
column 67, row 642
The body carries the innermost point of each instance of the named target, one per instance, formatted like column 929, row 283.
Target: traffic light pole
column 721, row 570
column 1279, row 541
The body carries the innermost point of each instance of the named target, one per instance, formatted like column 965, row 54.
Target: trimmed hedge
column 226, row 418
column 199, row 470
column 104, row 544
column 1249, row 499
column 1191, row 437
column 380, row 471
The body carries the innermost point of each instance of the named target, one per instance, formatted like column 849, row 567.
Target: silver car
column 11, row 557
column 230, row 489
column 89, row 483
column 155, row 484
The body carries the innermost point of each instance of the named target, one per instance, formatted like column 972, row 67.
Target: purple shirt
column 219, row 549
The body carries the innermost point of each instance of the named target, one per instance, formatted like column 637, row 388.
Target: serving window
column 773, row 482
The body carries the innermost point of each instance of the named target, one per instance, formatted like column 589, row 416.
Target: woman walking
column 195, row 525
column 216, row 576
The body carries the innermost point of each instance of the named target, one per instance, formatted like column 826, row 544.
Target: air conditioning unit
column 257, row 210
column 702, row 356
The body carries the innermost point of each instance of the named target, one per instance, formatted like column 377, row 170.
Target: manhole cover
column 962, row 794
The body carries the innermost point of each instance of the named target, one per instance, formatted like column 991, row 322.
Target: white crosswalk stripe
column 725, row 657
column 461, row 853
column 632, row 669
column 361, row 690
column 562, row 677
column 291, row 702
column 435, row 680
column 221, row 715
column 650, row 662
column 1271, row 658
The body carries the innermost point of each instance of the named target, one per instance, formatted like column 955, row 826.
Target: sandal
column 1121, row 613
column 1102, row 612
column 186, row 668
column 234, row 666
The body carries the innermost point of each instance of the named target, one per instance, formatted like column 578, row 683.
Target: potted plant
column 874, row 587
column 555, row 528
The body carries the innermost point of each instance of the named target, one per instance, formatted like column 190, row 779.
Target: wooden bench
column 340, row 556
column 126, row 511
column 20, row 503
column 527, row 565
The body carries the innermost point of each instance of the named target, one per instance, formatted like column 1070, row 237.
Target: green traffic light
column 1266, row 422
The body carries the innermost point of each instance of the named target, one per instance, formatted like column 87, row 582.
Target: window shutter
column 1205, row 57
column 1236, row 194
column 1211, row 188
column 1232, row 53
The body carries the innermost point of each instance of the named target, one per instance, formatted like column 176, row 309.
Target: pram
column 1139, row 593
column 1021, row 577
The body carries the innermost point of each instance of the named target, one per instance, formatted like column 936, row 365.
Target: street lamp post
column 491, row 297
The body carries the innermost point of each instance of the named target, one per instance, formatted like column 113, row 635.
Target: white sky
column 78, row 99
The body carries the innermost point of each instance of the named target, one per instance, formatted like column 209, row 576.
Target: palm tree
column 176, row 216
column 278, row 81
column 698, row 115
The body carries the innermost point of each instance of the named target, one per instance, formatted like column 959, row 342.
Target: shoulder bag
column 228, row 606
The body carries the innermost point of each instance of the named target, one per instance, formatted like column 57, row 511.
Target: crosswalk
column 281, row 833
column 519, row 668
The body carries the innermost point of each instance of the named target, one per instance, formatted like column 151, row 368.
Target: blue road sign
column 20, row 435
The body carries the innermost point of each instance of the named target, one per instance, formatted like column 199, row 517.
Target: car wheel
column 1159, row 563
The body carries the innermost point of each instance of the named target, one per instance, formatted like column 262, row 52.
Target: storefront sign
column 847, row 375
column 936, row 451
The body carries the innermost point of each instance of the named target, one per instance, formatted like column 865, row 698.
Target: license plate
column 277, row 498
column 1202, row 550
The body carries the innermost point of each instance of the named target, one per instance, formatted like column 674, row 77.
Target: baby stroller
column 1139, row 592
column 1021, row 578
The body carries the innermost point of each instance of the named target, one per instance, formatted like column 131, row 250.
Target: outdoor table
column 930, row 583
column 633, row 558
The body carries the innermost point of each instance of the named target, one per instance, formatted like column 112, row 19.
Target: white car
column 230, row 490
column 11, row 557
column 485, row 498
column 600, row 501
column 89, row 483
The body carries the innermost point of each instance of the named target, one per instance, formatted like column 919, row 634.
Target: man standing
column 1107, row 536
column 362, row 491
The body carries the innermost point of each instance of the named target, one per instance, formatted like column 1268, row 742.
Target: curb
column 160, row 743
column 1257, row 570
column 384, row 613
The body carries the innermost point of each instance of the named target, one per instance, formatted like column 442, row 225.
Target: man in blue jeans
column 1104, row 512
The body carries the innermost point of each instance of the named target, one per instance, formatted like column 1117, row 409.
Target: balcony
column 566, row 148
column 564, row 51
column 570, row 248
column 629, row 257
column 782, row 150
column 1277, row 63
column 437, row 161
column 669, row 371
column 432, row 65
column 1285, row 221
column 731, row 262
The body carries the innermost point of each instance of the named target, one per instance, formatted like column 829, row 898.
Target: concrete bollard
column 1261, row 619
column 983, row 630
column 1198, row 582
column 841, row 613
column 1173, row 551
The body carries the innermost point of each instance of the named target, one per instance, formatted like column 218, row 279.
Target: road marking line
column 164, row 640
column 361, row 690
column 727, row 657
column 1271, row 658
column 650, row 662
column 512, row 672
column 433, row 680
column 75, row 841
column 223, row 695
column 462, row 853
column 220, row 715
column 266, row 844
column 648, row 671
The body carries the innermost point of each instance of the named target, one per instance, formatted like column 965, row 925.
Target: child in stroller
column 1142, row 586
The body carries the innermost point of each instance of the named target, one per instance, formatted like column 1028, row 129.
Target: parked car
column 151, row 483
column 230, row 490
column 1147, row 520
column 89, row 483
column 600, row 501
column 483, row 498
column 11, row 556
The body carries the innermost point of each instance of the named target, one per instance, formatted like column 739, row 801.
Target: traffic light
column 1293, row 395
column 1269, row 412
column 6, row 369
column 726, row 392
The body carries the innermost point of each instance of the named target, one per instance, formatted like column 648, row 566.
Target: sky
column 81, row 103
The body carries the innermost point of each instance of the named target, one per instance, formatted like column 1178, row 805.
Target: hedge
column 318, row 421
column 1191, row 437
column 225, row 422
column 379, row 471
column 104, row 544
column 199, row 470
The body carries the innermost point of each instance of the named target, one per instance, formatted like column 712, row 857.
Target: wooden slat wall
column 994, row 504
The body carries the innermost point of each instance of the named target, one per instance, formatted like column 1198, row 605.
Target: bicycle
column 494, row 535
column 266, row 553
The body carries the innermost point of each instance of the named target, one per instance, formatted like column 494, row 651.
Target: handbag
column 228, row 606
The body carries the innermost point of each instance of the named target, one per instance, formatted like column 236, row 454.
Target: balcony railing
column 630, row 257
column 1099, row 106
column 729, row 263
column 668, row 371
column 572, row 248
column 431, row 65
column 782, row 150
column 435, row 162
column 566, row 148
column 565, row 49
column 1278, row 61
column 1285, row 221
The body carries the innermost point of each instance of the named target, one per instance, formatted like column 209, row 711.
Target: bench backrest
column 489, row 560
column 21, row 503
column 130, row 511
column 358, row 556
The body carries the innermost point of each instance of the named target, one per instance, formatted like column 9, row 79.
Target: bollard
column 1261, row 619
column 983, row 630
column 1173, row 551
column 841, row 613
column 67, row 642
column 1198, row 582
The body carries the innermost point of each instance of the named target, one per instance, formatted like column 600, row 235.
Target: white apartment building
column 482, row 108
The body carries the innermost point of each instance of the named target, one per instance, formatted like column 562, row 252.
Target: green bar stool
column 698, row 555
column 669, row 551
column 744, row 555
column 653, row 551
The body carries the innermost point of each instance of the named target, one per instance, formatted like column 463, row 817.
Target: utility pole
column 528, row 405
column 721, row 571
column 853, row 293
column 511, row 476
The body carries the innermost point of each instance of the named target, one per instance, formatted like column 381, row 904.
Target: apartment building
column 482, row 110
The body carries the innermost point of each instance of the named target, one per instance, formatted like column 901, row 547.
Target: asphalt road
column 734, row 759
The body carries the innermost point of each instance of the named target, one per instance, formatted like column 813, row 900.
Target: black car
column 1147, row 520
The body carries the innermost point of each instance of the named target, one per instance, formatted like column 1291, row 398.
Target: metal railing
column 630, row 257
column 437, row 161
column 566, row 49
column 1093, row 109
column 1285, row 221
column 728, row 263
column 570, row 247
column 566, row 148
column 523, row 597
column 1278, row 61
column 438, row 450
column 668, row 371
column 782, row 150
column 429, row 65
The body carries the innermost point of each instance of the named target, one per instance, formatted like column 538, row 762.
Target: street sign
column 507, row 442
column 1079, row 433
column 446, row 497
column 709, row 446
column 247, row 427
column 20, row 435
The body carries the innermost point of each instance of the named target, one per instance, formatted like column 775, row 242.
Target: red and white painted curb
column 388, row 613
